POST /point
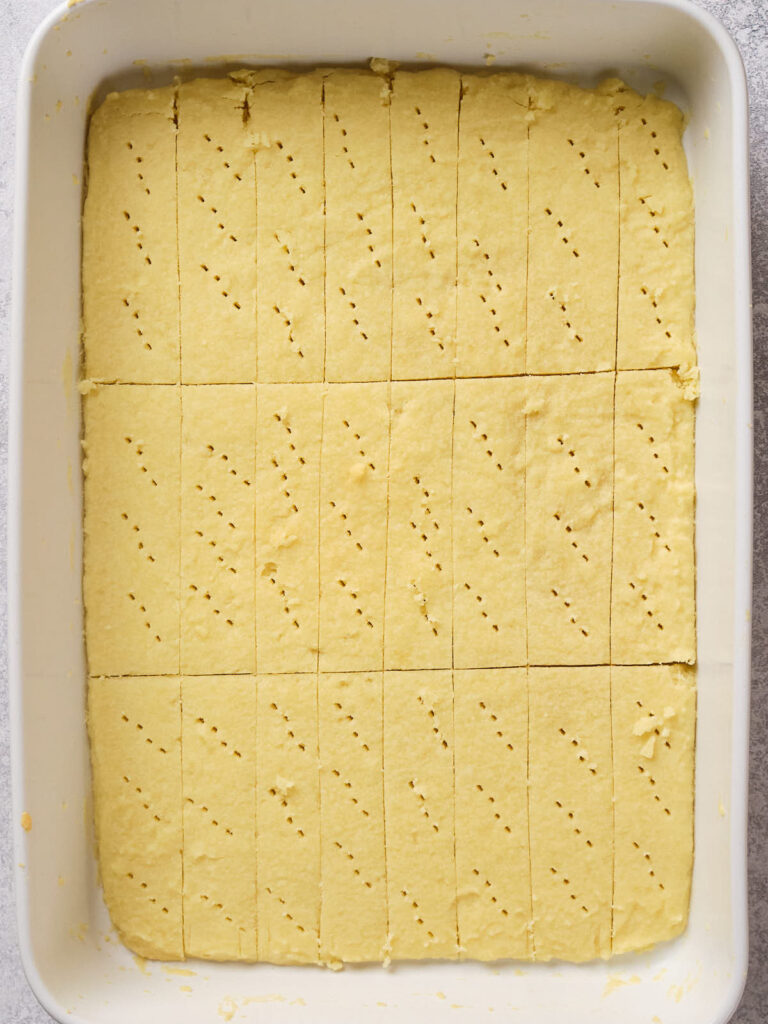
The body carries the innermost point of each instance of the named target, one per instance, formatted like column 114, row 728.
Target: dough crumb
column 382, row 66
column 644, row 725
column 687, row 379
column 649, row 747
column 283, row 786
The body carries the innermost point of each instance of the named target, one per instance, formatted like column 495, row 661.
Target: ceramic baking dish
column 75, row 964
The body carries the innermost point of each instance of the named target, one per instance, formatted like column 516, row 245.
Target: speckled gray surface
column 747, row 20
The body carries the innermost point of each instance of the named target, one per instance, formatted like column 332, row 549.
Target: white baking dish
column 74, row 962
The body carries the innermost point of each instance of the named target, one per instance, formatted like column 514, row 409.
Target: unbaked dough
column 389, row 516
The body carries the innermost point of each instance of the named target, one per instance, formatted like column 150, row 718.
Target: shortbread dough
column 389, row 516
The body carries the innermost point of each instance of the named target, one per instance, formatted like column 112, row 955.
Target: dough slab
column 389, row 517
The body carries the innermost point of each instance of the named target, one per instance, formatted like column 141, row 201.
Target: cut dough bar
column 388, row 554
column 130, row 280
column 358, row 227
column 218, row 728
column 489, row 626
column 420, row 814
column 569, row 493
column 286, row 129
column 653, row 713
column 288, row 432
column 216, row 233
column 353, row 526
column 492, row 866
column 353, row 921
column 653, row 562
column 217, row 566
column 492, row 190
column 288, row 839
column 573, row 265
column 131, row 542
column 656, row 293
column 424, row 134
column 134, row 726
column 419, row 589
column 571, row 813
column 342, row 818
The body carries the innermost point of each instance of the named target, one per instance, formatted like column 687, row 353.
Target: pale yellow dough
column 131, row 543
column 358, row 228
column 419, row 591
column 492, row 865
column 571, row 820
column 489, row 619
column 420, row 814
column 569, row 521
column 353, row 526
column 353, row 923
column 654, row 728
column 653, row 565
column 655, row 326
column 573, row 265
column 286, row 136
column 285, row 517
column 216, row 233
column 218, row 780
column 389, row 516
column 287, row 823
column 424, row 134
column 134, row 727
column 492, row 190
column 130, row 285
column 218, row 446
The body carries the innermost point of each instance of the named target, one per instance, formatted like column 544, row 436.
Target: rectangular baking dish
column 74, row 962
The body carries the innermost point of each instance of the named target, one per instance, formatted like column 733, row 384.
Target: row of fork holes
column 139, row 243
column 143, row 885
column 220, row 149
column 139, row 174
column 655, row 149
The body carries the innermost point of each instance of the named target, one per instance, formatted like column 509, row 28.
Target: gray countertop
column 747, row 20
